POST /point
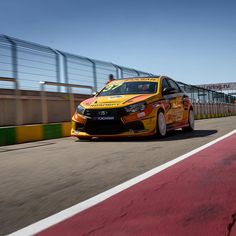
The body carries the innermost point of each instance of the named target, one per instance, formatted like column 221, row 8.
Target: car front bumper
column 127, row 126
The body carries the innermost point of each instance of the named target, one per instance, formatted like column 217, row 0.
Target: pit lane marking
column 69, row 212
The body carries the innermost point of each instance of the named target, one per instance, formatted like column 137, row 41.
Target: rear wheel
column 161, row 124
column 190, row 126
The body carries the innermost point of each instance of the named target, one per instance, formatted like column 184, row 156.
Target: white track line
column 69, row 212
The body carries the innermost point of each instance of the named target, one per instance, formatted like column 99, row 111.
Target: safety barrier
column 213, row 110
column 18, row 116
column 30, row 133
column 71, row 97
column 58, row 107
column 34, row 107
column 38, row 132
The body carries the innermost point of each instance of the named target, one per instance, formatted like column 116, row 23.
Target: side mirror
column 168, row 91
column 94, row 94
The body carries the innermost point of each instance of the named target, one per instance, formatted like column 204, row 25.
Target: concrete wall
column 213, row 110
column 58, row 107
column 59, row 116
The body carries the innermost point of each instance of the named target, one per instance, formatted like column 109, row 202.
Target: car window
column 174, row 85
column 122, row 88
column 164, row 84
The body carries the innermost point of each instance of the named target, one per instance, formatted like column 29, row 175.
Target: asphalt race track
column 195, row 196
column 42, row 178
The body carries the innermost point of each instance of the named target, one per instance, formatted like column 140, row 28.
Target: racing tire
column 190, row 126
column 161, row 125
column 85, row 138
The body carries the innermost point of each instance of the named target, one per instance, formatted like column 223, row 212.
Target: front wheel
column 190, row 126
column 161, row 124
column 84, row 138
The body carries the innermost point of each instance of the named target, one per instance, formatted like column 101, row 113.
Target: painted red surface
column 194, row 197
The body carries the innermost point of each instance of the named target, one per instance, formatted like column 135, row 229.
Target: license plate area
column 104, row 118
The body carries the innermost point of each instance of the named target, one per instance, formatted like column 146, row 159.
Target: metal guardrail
column 71, row 96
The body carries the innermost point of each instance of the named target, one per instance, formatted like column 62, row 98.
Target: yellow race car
column 134, row 107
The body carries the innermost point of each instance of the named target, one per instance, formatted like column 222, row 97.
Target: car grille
column 98, row 124
column 104, row 127
column 109, row 112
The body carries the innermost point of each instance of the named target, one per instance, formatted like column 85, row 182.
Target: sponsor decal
column 104, row 104
column 141, row 114
column 104, row 118
column 143, row 79
column 114, row 97
column 219, row 86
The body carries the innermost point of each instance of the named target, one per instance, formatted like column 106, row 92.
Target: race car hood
column 116, row 100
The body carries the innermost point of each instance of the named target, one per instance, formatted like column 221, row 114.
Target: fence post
column 44, row 106
column 72, row 103
column 14, row 57
column 65, row 68
column 121, row 72
column 94, row 74
column 43, row 103
column 58, row 67
column 117, row 70
column 137, row 72
column 95, row 77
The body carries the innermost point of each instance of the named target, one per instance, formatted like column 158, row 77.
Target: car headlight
column 80, row 110
column 136, row 107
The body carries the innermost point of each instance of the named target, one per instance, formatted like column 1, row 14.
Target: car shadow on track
column 171, row 136
column 179, row 134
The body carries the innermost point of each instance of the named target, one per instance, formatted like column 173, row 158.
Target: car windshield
column 122, row 88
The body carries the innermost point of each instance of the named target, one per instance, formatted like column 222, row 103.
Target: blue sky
column 190, row 41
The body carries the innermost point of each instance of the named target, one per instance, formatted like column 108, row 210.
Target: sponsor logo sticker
column 141, row 114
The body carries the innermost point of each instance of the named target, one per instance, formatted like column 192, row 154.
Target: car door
column 176, row 102
column 167, row 101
